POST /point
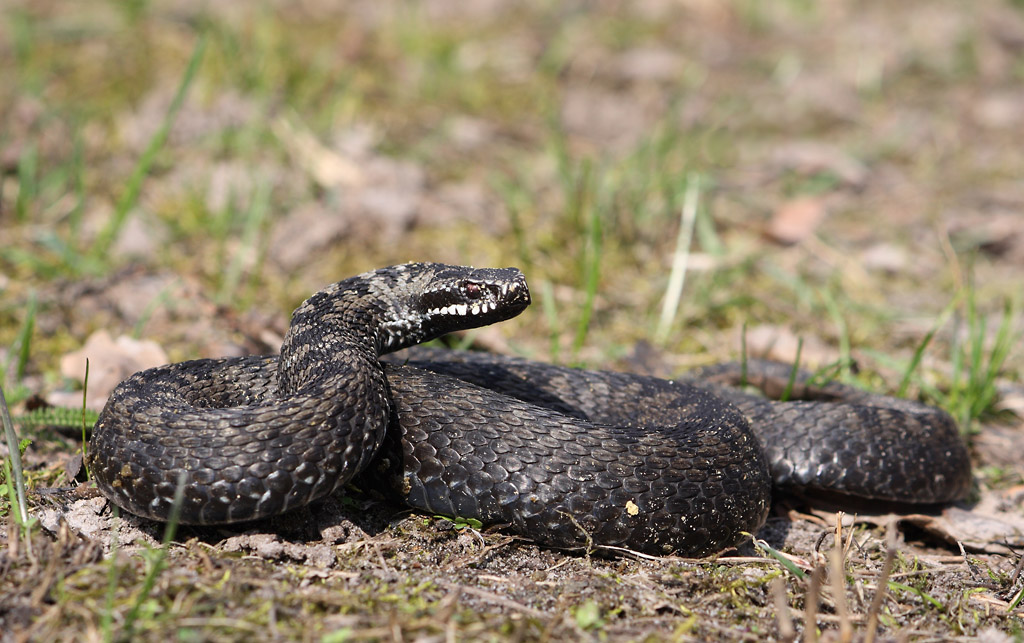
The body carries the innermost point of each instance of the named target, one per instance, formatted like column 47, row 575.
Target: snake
column 565, row 457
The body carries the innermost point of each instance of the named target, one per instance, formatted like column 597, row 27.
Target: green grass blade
column 516, row 200
column 22, row 347
column 924, row 596
column 791, row 381
column 832, row 306
column 744, row 381
column 974, row 369
column 28, row 182
column 777, row 555
column 590, row 266
column 1016, row 601
column 78, row 180
column 85, row 442
column 14, row 448
column 591, row 279
column 157, row 564
column 130, row 196
column 915, row 360
column 258, row 210
column 550, row 308
column 988, row 372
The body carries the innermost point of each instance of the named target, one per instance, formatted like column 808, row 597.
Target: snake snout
column 500, row 294
column 511, row 294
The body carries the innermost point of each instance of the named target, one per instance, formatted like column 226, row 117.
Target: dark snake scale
column 563, row 456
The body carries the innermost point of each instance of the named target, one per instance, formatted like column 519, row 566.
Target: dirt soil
column 839, row 182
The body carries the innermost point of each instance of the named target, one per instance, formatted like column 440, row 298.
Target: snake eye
column 472, row 290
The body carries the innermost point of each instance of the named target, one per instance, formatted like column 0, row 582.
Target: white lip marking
column 475, row 309
column 461, row 308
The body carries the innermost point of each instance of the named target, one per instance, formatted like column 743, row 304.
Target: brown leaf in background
column 110, row 361
column 781, row 344
column 796, row 219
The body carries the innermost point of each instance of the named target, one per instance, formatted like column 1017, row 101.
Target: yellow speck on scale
column 631, row 508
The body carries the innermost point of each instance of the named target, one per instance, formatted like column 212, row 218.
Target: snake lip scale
column 566, row 457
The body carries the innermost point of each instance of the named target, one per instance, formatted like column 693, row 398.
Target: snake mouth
column 507, row 298
column 482, row 297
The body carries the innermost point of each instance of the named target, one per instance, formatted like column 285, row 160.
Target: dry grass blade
column 787, row 631
column 13, row 541
column 680, row 259
column 881, row 587
column 811, row 605
column 838, row 578
column 1019, row 598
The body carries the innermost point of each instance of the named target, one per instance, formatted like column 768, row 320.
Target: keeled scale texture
column 564, row 456
column 253, row 437
column 278, row 455
column 690, row 483
column 837, row 438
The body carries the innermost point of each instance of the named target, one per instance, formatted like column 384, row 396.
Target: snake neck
column 336, row 326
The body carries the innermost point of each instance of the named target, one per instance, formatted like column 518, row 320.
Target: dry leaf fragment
column 796, row 219
column 781, row 344
column 985, row 526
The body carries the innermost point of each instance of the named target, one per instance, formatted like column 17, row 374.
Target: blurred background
column 837, row 182
column 667, row 172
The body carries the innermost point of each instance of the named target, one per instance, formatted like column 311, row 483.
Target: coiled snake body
column 564, row 456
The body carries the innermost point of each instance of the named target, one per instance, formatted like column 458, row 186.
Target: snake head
column 444, row 298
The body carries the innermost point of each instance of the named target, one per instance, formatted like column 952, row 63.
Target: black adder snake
column 563, row 456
